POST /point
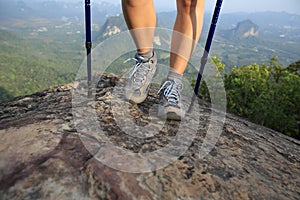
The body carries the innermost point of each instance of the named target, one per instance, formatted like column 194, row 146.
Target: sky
column 291, row 6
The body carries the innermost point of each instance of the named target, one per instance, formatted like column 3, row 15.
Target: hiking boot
column 171, row 106
column 137, row 88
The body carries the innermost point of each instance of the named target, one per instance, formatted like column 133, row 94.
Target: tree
column 266, row 94
column 294, row 68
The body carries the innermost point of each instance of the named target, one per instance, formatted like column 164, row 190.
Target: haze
column 291, row 6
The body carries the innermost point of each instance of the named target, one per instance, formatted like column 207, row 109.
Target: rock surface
column 43, row 156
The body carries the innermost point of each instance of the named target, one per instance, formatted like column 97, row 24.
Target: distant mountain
column 243, row 30
column 112, row 26
column 246, row 29
column 262, row 19
column 273, row 25
column 56, row 9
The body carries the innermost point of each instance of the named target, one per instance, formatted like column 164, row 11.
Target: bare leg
column 187, row 30
column 140, row 18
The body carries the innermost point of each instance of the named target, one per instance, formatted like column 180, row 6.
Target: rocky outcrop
column 113, row 25
column 244, row 31
column 43, row 156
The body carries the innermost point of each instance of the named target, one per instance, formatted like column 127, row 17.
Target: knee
column 187, row 6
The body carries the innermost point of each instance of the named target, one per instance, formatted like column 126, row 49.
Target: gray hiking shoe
column 171, row 106
column 143, row 71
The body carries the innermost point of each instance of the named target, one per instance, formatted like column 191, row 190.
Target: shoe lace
column 171, row 91
column 139, row 72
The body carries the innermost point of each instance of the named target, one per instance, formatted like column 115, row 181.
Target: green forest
column 31, row 65
column 266, row 94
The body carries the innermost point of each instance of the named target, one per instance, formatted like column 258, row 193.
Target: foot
column 137, row 88
column 171, row 106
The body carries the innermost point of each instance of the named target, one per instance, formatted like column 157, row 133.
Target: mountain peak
column 246, row 29
column 43, row 154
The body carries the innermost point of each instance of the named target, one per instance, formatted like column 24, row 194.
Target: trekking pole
column 88, row 44
column 208, row 43
column 206, row 50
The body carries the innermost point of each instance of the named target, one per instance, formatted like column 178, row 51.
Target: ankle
column 146, row 55
column 173, row 75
